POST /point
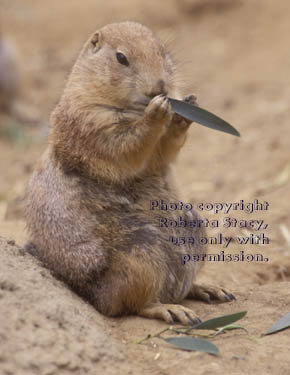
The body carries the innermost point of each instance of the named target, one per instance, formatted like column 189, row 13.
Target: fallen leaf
column 193, row 344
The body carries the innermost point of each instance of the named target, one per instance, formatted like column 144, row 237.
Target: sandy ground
column 235, row 56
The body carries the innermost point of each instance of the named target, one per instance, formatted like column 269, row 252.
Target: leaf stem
column 155, row 335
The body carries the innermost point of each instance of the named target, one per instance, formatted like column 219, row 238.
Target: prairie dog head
column 122, row 65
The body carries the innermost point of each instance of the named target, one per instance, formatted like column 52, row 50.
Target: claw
column 170, row 313
column 171, row 318
column 232, row 296
column 209, row 293
column 198, row 320
column 191, row 322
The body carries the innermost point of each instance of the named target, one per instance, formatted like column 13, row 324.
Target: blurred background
column 234, row 54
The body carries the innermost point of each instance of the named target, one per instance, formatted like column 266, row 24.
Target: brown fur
column 112, row 140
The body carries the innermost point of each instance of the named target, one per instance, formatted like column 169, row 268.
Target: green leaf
column 201, row 116
column 220, row 321
column 282, row 323
column 192, row 344
column 229, row 327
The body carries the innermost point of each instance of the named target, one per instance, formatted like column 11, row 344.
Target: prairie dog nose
column 158, row 89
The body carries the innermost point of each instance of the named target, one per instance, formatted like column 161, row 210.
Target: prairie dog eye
column 122, row 59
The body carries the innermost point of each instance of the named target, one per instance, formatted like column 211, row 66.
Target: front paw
column 159, row 109
column 181, row 121
column 191, row 99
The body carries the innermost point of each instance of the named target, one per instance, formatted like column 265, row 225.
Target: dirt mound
column 45, row 328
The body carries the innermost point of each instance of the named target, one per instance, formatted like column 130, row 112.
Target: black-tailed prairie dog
column 112, row 140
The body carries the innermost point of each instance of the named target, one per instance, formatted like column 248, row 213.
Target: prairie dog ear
column 95, row 42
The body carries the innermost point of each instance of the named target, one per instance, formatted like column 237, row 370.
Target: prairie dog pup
column 112, row 141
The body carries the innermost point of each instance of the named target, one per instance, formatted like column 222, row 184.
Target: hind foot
column 209, row 293
column 170, row 313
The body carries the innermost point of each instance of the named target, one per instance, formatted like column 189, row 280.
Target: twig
column 155, row 335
